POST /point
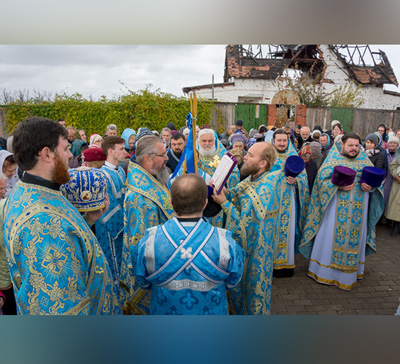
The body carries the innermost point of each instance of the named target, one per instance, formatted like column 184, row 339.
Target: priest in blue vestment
column 147, row 204
column 187, row 263
column 211, row 151
column 340, row 227
column 251, row 209
column 56, row 264
column 294, row 198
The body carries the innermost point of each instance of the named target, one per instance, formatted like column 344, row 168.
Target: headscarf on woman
column 126, row 134
column 384, row 135
column 76, row 147
column 94, row 138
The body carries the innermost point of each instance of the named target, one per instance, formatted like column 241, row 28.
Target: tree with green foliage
column 312, row 92
column 346, row 96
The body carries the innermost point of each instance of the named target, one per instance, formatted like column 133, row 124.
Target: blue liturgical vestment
column 109, row 228
column 293, row 202
column 340, row 226
column 202, row 174
column 252, row 208
column 147, row 204
column 188, row 266
column 56, row 263
column 209, row 165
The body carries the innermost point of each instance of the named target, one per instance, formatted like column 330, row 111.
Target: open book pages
column 223, row 171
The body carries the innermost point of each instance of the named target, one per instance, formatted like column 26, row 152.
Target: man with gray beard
column 147, row 204
column 210, row 153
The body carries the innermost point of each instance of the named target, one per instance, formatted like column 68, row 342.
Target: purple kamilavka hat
column 294, row 166
column 343, row 176
column 372, row 176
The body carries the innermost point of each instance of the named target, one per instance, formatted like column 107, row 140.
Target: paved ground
column 376, row 294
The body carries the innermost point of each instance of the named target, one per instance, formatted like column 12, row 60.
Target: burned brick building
column 253, row 72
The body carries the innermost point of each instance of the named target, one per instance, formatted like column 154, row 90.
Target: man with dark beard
column 340, row 227
column 55, row 261
column 178, row 143
column 251, row 209
column 147, row 204
column 294, row 199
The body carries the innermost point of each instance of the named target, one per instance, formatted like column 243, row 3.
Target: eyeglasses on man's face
column 164, row 155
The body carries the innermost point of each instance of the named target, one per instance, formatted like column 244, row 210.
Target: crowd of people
column 109, row 224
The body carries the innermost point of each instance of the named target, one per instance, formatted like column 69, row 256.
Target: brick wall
column 271, row 114
column 301, row 114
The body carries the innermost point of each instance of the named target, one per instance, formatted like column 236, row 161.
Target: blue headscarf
column 329, row 139
column 126, row 134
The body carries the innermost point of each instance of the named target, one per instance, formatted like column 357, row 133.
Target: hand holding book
column 223, row 171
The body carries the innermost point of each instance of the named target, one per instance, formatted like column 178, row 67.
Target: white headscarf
column 11, row 182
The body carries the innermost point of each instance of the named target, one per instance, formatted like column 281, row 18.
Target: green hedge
column 137, row 109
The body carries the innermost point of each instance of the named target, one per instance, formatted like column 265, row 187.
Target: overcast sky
column 96, row 70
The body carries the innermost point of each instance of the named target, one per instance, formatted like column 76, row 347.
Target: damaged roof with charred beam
column 270, row 61
column 366, row 66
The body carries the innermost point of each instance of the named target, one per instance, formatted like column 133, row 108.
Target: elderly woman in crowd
column 239, row 141
column 95, row 141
